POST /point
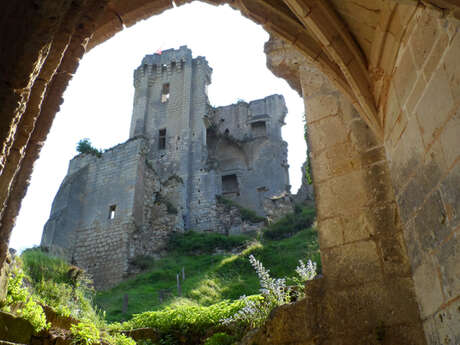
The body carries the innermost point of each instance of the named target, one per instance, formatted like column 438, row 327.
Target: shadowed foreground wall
column 422, row 142
column 396, row 62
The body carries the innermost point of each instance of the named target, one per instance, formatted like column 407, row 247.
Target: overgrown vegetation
column 290, row 224
column 84, row 146
column 211, row 276
column 214, row 270
column 65, row 288
column 246, row 214
column 192, row 243
column 21, row 301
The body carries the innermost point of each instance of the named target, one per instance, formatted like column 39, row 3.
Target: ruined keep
column 181, row 158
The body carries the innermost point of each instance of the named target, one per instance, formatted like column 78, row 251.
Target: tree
column 84, row 146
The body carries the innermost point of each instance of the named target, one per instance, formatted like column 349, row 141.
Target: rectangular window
column 165, row 93
column 229, row 184
column 112, row 211
column 162, row 139
column 259, row 129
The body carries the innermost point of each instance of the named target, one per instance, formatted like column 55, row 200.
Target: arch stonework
column 383, row 131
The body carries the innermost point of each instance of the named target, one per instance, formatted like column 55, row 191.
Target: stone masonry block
column 326, row 132
column 436, row 54
column 448, row 257
column 352, row 264
column 405, row 76
column 446, row 323
column 450, row 139
column 330, row 232
column 357, row 227
column 394, row 256
column 407, row 155
column 392, row 110
column 322, row 106
column 414, row 249
column 435, row 106
column 423, row 38
column 428, row 287
column 392, row 304
column 451, row 197
column 453, row 67
column 431, row 223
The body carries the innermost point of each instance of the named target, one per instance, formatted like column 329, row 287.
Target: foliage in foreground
column 21, row 302
column 223, row 322
column 191, row 322
column 65, row 288
column 274, row 292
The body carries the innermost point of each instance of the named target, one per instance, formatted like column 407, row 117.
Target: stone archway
column 395, row 64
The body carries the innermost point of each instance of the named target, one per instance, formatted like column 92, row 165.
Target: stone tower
column 182, row 157
column 170, row 101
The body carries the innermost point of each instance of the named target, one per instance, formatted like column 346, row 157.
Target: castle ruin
column 182, row 157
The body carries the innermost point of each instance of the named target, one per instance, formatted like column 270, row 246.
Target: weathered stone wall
column 363, row 251
column 422, row 128
column 81, row 228
column 256, row 155
column 277, row 206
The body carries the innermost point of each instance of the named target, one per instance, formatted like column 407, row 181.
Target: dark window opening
column 112, row 211
column 227, row 132
column 162, row 139
column 165, row 93
column 229, row 184
column 259, row 129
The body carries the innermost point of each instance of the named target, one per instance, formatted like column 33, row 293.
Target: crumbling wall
column 422, row 127
column 244, row 140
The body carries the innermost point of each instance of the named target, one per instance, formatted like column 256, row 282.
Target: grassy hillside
column 212, row 276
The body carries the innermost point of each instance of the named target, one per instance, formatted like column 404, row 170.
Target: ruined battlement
column 182, row 155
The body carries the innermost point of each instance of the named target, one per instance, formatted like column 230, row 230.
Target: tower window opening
column 112, row 209
column 165, row 93
column 230, row 184
column 259, row 129
column 162, row 139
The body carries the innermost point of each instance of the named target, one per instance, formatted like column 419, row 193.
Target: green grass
column 210, row 278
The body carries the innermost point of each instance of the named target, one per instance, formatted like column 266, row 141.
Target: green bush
column 84, row 146
column 21, row 302
column 220, row 339
column 65, row 288
column 246, row 214
column 290, row 224
column 192, row 243
column 184, row 322
column 143, row 262
column 85, row 333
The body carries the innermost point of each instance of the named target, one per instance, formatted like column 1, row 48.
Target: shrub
column 191, row 242
column 290, row 224
column 143, row 262
column 65, row 288
column 184, row 322
column 274, row 293
column 84, row 333
column 84, row 146
column 246, row 214
column 20, row 301
column 220, row 339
